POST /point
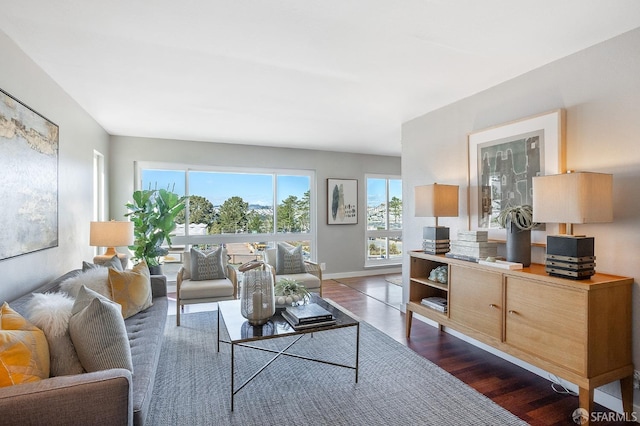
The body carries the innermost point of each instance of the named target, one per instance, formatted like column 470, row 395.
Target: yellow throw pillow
column 24, row 351
column 131, row 289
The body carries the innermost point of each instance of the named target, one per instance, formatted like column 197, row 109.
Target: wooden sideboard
column 579, row 330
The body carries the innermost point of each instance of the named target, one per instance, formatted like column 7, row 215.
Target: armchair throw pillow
column 24, row 352
column 289, row 260
column 207, row 266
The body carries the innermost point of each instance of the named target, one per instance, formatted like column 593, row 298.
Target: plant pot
column 518, row 245
column 155, row 270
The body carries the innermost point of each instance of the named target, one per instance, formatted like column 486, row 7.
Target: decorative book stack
column 472, row 246
column 434, row 302
column 435, row 239
column 308, row 316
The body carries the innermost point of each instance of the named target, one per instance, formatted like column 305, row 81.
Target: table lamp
column 436, row 200
column 572, row 198
column 111, row 234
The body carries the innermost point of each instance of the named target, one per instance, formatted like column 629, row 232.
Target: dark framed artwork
column 342, row 201
column 29, row 176
column 502, row 163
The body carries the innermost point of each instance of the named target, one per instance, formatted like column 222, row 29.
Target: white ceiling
column 340, row 75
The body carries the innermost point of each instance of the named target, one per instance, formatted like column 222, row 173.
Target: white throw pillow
column 94, row 279
column 50, row 312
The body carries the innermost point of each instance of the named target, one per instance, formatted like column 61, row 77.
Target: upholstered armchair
column 286, row 262
column 205, row 278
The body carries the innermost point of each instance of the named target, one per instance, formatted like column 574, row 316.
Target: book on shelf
column 304, row 325
column 502, row 264
column 435, row 302
column 435, row 243
column 478, row 236
column 458, row 256
column 309, row 313
column 479, row 251
column 475, row 244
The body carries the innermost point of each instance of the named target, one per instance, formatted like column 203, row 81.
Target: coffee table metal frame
column 241, row 333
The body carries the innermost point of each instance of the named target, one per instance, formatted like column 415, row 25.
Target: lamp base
column 570, row 256
column 435, row 239
column 101, row 259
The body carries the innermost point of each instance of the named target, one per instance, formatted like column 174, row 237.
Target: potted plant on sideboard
column 518, row 221
column 153, row 213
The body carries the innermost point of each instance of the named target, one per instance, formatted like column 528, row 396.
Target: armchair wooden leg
column 177, row 312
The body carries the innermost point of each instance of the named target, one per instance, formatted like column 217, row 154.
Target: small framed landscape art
column 342, row 201
column 502, row 163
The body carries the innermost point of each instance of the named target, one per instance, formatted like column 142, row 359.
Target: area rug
column 394, row 279
column 395, row 385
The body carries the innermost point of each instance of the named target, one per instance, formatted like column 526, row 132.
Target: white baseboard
column 367, row 273
column 605, row 399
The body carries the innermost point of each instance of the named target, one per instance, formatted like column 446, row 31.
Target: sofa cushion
column 98, row 332
column 51, row 312
column 206, row 266
column 289, row 260
column 24, row 352
column 131, row 289
column 94, row 279
column 114, row 263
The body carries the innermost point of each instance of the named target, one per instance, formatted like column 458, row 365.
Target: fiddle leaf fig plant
column 520, row 216
column 153, row 213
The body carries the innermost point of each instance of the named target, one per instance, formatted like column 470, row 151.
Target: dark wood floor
column 523, row 393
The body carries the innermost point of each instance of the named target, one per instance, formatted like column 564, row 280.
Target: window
column 248, row 211
column 98, row 190
column 383, row 242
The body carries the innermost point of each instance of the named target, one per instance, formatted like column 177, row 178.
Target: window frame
column 271, row 237
column 386, row 233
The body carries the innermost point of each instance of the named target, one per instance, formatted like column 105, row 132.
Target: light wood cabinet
column 579, row 330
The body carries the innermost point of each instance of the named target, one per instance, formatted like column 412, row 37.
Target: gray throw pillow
column 114, row 263
column 289, row 260
column 206, row 266
column 98, row 332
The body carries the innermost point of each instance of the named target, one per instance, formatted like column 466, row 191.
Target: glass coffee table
column 241, row 333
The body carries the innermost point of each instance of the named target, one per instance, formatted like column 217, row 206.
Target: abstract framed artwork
column 29, row 176
column 502, row 163
column 342, row 201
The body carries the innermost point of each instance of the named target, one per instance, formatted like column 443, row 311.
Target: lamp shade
column 580, row 197
column 436, row 200
column 111, row 234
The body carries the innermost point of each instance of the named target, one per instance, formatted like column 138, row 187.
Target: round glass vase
column 257, row 300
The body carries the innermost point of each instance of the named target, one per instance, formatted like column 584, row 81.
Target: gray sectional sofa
column 109, row 397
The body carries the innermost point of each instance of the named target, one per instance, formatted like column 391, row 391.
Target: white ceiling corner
column 339, row 75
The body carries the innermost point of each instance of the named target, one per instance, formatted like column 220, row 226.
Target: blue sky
column 376, row 189
column 218, row 187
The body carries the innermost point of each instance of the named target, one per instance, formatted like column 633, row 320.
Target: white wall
column 79, row 136
column 342, row 247
column 600, row 90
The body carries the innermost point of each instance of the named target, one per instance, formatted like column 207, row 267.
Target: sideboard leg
column 626, row 389
column 409, row 317
column 586, row 401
